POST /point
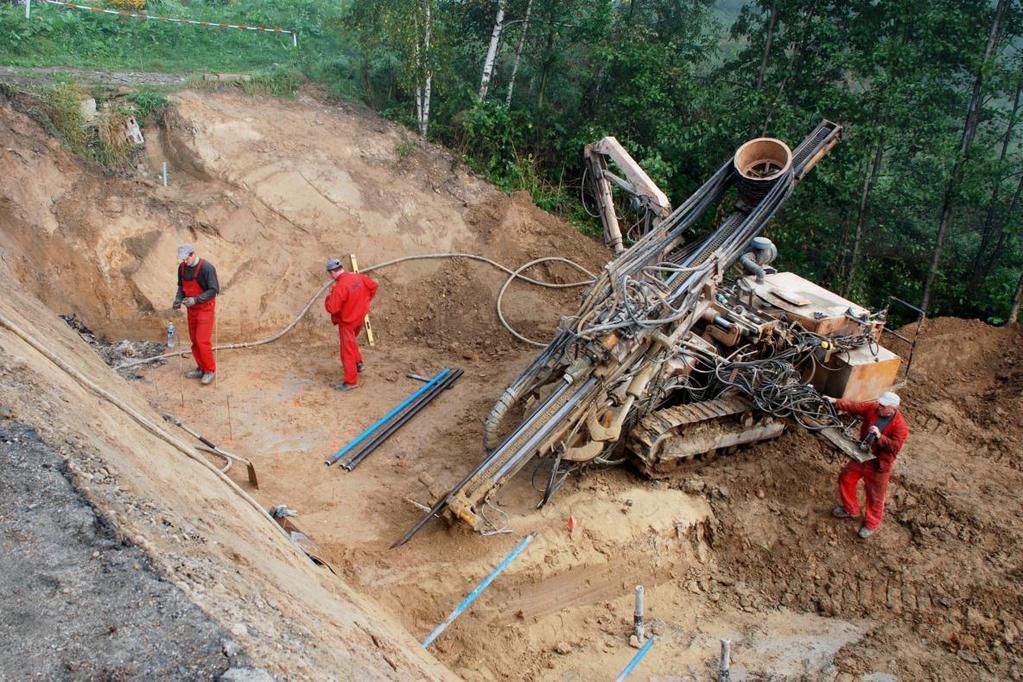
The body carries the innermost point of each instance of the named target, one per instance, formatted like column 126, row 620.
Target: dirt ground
column 77, row 601
column 743, row 547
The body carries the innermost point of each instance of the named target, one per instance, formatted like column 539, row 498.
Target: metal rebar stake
column 724, row 675
column 637, row 618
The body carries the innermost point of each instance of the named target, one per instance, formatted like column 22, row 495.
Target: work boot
column 194, row 374
column 866, row 532
column 839, row 512
column 358, row 367
column 346, row 387
column 207, row 378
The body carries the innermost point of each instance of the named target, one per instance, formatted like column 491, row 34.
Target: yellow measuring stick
column 369, row 327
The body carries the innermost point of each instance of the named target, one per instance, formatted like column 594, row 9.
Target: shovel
column 214, row 449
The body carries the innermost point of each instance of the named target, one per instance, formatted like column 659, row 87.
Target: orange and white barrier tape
column 174, row 20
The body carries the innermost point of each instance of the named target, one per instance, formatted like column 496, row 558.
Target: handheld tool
column 250, row 469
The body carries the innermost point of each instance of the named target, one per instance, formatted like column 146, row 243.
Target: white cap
column 184, row 251
column 889, row 399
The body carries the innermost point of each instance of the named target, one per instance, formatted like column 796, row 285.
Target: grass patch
column 405, row 149
column 100, row 138
column 62, row 108
column 279, row 81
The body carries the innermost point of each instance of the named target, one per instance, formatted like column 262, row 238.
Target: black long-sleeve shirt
column 207, row 279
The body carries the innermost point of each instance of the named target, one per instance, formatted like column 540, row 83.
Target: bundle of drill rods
column 359, row 449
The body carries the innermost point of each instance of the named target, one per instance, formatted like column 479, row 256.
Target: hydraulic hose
column 138, row 417
column 512, row 274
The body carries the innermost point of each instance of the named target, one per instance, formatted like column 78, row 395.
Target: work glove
column 189, row 301
column 177, row 304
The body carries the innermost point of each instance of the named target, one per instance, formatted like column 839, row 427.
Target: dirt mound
column 942, row 577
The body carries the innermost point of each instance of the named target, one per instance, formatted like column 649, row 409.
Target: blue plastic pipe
column 405, row 403
column 479, row 589
column 635, row 660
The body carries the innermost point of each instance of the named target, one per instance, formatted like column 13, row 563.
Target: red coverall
column 200, row 321
column 348, row 305
column 875, row 472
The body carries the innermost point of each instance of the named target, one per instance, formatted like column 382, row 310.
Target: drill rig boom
column 619, row 357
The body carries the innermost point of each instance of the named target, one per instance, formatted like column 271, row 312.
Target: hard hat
column 333, row 264
column 889, row 399
column 184, row 251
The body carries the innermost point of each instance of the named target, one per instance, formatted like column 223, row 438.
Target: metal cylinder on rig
column 759, row 164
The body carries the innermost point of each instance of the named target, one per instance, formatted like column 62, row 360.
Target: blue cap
column 184, row 251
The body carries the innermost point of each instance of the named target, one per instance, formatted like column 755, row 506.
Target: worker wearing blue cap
column 348, row 304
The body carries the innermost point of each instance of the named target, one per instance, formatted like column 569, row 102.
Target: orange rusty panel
column 862, row 375
column 813, row 306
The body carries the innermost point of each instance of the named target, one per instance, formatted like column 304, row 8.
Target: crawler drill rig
column 665, row 360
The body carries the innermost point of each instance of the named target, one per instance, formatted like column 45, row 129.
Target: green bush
column 148, row 104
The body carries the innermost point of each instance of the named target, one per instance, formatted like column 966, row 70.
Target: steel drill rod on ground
column 635, row 660
column 479, row 589
column 386, row 430
column 354, row 458
column 387, row 417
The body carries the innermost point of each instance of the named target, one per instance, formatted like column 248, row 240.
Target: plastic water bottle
column 172, row 340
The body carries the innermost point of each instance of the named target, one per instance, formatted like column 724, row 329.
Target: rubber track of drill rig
column 700, row 428
column 571, row 397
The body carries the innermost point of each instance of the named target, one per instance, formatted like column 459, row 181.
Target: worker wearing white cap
column 197, row 291
column 883, row 431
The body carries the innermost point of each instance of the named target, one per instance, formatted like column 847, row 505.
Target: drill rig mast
column 661, row 342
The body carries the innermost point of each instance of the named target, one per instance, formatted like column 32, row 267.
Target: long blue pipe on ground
column 387, row 417
column 635, row 660
column 479, row 589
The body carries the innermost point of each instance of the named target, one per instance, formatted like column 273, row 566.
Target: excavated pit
column 742, row 548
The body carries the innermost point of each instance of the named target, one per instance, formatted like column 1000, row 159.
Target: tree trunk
column 548, row 62
column 767, row 46
column 495, row 39
column 1014, row 310
column 869, row 179
column 987, row 230
column 795, row 60
column 1013, row 205
column 969, row 131
column 424, row 72
column 518, row 54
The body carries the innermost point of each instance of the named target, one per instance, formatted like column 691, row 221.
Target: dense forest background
column 923, row 199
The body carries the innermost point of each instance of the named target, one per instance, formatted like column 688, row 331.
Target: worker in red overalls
column 348, row 305
column 883, row 430
column 197, row 291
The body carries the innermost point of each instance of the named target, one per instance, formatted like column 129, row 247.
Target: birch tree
column 424, row 64
column 1014, row 310
column 518, row 54
column 495, row 40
